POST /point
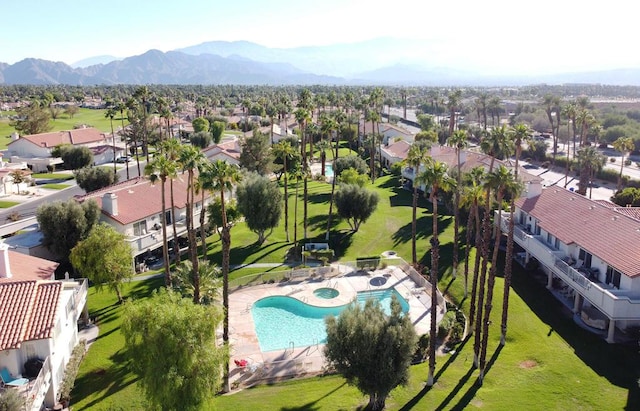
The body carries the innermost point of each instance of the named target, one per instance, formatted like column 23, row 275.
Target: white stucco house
column 589, row 251
column 35, row 149
column 38, row 322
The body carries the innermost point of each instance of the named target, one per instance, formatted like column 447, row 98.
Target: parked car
column 123, row 159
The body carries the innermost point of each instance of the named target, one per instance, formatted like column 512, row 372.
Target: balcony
column 153, row 238
column 35, row 391
column 80, row 288
column 616, row 304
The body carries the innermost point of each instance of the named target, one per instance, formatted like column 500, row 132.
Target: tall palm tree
column 283, row 149
column 586, row 120
column 500, row 181
column 338, row 119
column 171, row 149
column 471, row 198
column 454, row 99
column 121, row 107
column 160, row 169
column 494, row 144
column 552, row 108
column 416, row 157
column 204, row 184
column 519, row 134
column 110, row 114
column 303, row 117
column 623, row 145
column 590, row 161
column 225, row 177
column 190, row 159
column 434, row 176
column 209, row 278
column 143, row 96
column 459, row 141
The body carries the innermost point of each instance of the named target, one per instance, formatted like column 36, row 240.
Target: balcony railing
column 39, row 387
column 616, row 304
column 154, row 237
column 80, row 288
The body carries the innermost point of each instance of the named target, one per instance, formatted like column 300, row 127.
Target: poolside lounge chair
column 8, row 380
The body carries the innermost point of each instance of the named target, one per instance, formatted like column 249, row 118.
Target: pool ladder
column 315, row 344
column 289, row 350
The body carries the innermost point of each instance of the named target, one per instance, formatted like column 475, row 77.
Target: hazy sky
column 500, row 35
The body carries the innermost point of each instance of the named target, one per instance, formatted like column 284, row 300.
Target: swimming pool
column 328, row 170
column 281, row 320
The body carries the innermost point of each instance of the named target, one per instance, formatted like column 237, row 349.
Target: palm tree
column 299, row 173
column 225, row 177
column 458, row 140
column 303, row 117
column 190, row 159
column 171, row 149
column 160, row 169
column 110, row 114
column 453, row 104
column 416, row 156
column 496, row 143
column 590, row 161
column 209, row 278
column 204, row 183
column 586, row 121
column 500, row 181
column 551, row 105
column 623, row 145
column 519, row 133
column 338, row 119
column 121, row 107
column 435, row 175
column 285, row 151
column 143, row 95
column 471, row 198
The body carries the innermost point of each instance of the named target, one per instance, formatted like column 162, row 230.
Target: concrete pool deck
column 293, row 362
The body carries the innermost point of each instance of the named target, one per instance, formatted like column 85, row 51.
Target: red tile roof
column 27, row 311
column 139, row 199
column 228, row 148
column 399, row 149
column 28, row 268
column 602, row 231
column 75, row 137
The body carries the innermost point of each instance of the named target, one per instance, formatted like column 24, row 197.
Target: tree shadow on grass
column 340, row 241
column 618, row 363
column 312, row 406
column 471, row 392
column 320, row 198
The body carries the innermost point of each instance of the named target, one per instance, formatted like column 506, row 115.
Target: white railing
column 612, row 303
column 154, row 237
column 39, row 388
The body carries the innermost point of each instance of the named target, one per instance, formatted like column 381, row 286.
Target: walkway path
column 233, row 267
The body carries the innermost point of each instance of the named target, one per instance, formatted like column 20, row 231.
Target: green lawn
column 90, row 117
column 548, row 362
column 54, row 186
column 53, row 176
column 7, row 204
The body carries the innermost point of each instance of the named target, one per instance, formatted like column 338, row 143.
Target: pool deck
column 294, row 362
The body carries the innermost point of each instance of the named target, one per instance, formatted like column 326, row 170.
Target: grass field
column 90, row 117
column 7, row 204
column 53, row 176
column 54, row 186
column 548, row 363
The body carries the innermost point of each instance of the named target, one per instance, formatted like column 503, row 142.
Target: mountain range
column 384, row 61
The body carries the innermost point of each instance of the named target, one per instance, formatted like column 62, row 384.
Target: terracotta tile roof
column 75, row 137
column 139, row 199
column 399, row 149
column 602, row 231
column 228, row 148
column 28, row 268
column 27, row 311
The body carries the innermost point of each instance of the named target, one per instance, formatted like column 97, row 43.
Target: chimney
column 5, row 269
column 14, row 136
column 110, row 203
column 534, row 189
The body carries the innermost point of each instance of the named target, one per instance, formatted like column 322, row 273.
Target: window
column 167, row 217
column 613, row 277
column 557, row 243
column 586, row 257
column 140, row 228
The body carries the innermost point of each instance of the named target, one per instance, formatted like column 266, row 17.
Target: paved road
column 29, row 205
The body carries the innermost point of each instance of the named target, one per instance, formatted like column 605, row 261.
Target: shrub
column 11, row 400
column 612, row 159
column 422, row 349
column 71, row 371
column 445, row 325
column 396, row 169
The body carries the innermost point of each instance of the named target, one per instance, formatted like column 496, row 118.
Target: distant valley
column 383, row 61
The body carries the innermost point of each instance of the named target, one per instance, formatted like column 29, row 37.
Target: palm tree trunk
column 486, row 237
column 226, row 247
column 435, row 251
column 490, row 285
column 165, row 246
column 305, row 203
column 286, row 198
column 414, row 254
column 467, row 252
column 508, row 261
column 476, row 267
column 176, row 246
column 203, row 233
column 333, row 190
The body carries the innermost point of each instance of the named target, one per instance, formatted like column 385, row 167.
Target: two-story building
column 589, row 251
column 38, row 324
column 134, row 208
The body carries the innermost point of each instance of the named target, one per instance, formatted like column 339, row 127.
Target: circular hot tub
column 378, row 281
column 326, row 293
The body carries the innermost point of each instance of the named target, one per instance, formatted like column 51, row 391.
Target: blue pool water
column 280, row 320
column 328, row 170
